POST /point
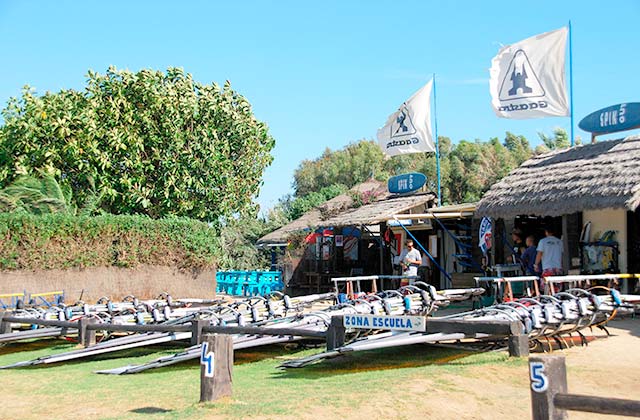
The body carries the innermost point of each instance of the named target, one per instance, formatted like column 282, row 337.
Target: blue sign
column 206, row 360
column 612, row 119
column 539, row 381
column 385, row 322
column 406, row 183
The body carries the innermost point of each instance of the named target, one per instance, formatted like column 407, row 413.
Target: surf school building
column 363, row 232
column 589, row 193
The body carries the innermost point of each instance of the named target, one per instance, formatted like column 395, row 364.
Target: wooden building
column 590, row 190
column 356, row 234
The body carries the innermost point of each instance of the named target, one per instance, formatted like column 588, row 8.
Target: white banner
column 485, row 235
column 527, row 79
column 408, row 130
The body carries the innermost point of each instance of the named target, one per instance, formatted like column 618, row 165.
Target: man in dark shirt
column 518, row 245
column 528, row 257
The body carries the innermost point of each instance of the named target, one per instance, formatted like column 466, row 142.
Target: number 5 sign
column 539, row 381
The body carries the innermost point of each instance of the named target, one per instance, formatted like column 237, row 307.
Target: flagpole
column 435, row 117
column 571, row 83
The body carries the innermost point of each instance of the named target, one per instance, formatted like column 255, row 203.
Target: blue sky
column 324, row 74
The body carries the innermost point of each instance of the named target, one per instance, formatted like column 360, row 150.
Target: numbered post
column 548, row 376
column 216, row 360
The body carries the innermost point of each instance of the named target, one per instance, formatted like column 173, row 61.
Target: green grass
column 260, row 389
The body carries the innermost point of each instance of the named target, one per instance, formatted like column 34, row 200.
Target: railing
column 13, row 300
column 501, row 288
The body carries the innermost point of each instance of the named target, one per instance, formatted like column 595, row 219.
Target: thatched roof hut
column 588, row 177
column 343, row 211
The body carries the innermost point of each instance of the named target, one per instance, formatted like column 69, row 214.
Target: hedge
column 59, row 241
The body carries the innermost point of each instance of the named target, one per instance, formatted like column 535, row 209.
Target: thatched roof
column 379, row 211
column 591, row 176
column 339, row 211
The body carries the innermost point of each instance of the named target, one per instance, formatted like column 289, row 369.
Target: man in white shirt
column 549, row 256
column 410, row 260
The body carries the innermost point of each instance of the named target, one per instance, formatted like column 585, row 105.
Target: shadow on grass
column 149, row 410
column 39, row 344
column 241, row 357
column 418, row 355
column 62, row 347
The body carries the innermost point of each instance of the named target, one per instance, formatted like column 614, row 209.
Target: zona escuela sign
column 612, row 119
column 385, row 322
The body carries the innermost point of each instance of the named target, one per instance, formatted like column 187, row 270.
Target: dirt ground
column 608, row 367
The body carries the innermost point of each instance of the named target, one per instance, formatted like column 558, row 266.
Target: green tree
column 559, row 140
column 151, row 142
column 297, row 206
column 44, row 195
column 352, row 165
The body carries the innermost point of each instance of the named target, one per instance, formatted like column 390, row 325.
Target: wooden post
column 518, row 345
column 82, row 330
column 196, row 330
column 5, row 327
column 548, row 376
column 336, row 332
column 86, row 337
column 216, row 360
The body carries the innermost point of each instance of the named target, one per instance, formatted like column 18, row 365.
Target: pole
column 571, row 84
column 435, row 118
column 548, row 377
column 216, row 360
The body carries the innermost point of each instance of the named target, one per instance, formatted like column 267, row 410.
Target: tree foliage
column 352, row 165
column 468, row 168
column 152, row 143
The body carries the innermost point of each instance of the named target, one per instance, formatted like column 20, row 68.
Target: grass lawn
column 391, row 380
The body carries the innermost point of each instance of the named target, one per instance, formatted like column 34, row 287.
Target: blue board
column 406, row 183
column 612, row 119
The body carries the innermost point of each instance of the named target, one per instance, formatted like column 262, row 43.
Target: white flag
column 527, row 79
column 408, row 130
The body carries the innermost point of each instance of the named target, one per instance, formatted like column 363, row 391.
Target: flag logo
column 520, row 81
column 402, row 124
column 527, row 79
column 408, row 130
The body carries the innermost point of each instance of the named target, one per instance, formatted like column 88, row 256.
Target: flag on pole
column 485, row 235
column 408, row 130
column 527, row 79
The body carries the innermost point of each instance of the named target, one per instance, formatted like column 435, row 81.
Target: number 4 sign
column 539, row 381
column 206, row 359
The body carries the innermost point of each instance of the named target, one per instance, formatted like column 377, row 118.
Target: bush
column 59, row 241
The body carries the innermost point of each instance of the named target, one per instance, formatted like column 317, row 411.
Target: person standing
column 410, row 260
column 518, row 245
column 549, row 256
column 529, row 257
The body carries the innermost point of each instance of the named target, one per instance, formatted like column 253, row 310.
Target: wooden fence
column 550, row 398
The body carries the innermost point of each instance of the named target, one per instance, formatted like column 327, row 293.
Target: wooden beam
column 600, row 405
column 469, row 327
column 300, row 332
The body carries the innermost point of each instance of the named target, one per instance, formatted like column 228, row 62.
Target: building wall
column 609, row 219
